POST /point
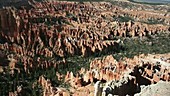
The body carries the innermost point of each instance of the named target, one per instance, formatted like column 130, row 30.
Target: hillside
column 72, row 48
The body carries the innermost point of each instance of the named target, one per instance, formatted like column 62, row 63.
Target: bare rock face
column 160, row 88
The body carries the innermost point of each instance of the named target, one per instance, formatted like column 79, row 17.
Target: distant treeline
column 146, row 2
column 6, row 3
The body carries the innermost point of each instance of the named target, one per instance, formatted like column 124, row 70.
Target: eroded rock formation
column 125, row 76
column 46, row 34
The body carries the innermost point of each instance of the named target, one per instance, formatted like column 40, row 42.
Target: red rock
column 148, row 72
column 155, row 78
